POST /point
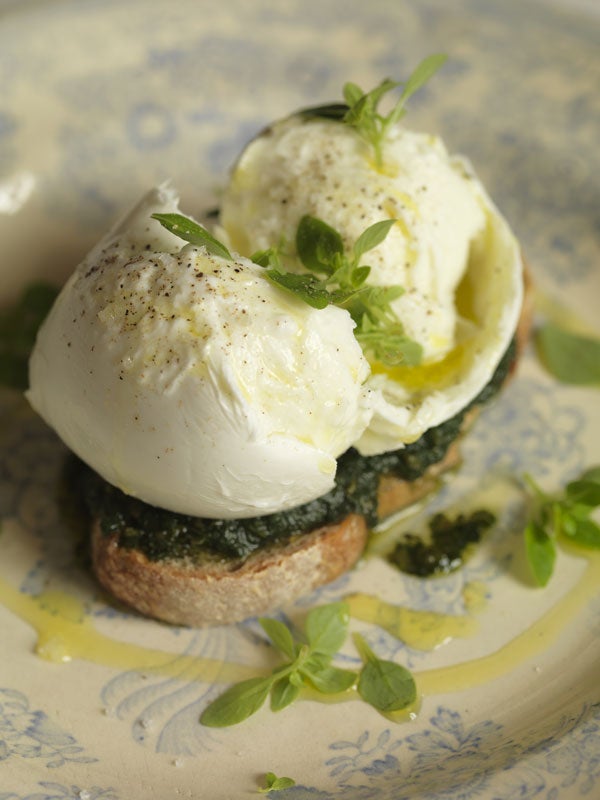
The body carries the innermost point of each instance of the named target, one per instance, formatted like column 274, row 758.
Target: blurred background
column 100, row 99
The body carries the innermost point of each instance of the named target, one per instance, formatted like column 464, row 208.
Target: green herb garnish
column 320, row 249
column 385, row 685
column 309, row 666
column 275, row 784
column 191, row 231
column 569, row 357
column 566, row 516
column 362, row 113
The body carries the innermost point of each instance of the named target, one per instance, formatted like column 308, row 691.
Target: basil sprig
column 568, row 356
column 339, row 279
column 275, row 784
column 363, row 114
column 309, row 665
column 567, row 516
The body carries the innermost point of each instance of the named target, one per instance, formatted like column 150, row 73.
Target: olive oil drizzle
column 421, row 630
column 528, row 644
column 65, row 631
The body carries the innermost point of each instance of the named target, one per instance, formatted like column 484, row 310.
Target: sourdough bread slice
column 225, row 591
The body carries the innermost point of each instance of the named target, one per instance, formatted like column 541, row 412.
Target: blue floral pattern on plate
column 58, row 791
column 183, row 89
column 454, row 761
column 32, row 734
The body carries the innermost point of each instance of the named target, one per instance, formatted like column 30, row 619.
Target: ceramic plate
column 100, row 100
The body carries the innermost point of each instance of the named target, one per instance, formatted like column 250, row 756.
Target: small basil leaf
column 266, row 258
column 569, row 357
column 237, row 703
column 374, row 303
column 359, row 275
column 375, row 95
column 388, row 346
column 331, row 680
column 192, row 232
column 384, row 295
column 592, row 474
column 342, row 297
column 422, row 73
column 326, row 627
column 584, row 492
column 333, row 111
column 317, row 244
column 584, row 532
column 386, row 686
column 275, row 784
column 295, row 677
column 306, row 287
column 280, row 635
column 540, row 551
column 360, row 112
column 283, row 693
column 563, row 521
column 372, row 236
column 352, row 93
column 363, row 648
column 316, row 662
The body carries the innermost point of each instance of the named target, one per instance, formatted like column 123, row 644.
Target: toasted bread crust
column 224, row 592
